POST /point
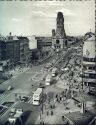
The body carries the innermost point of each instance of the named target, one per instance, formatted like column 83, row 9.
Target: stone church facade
column 59, row 36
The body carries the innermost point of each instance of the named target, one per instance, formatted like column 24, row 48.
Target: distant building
column 23, row 49
column 89, row 60
column 70, row 41
column 32, row 42
column 43, row 42
column 2, row 49
column 44, row 47
column 59, row 36
column 48, row 42
column 34, row 55
column 15, row 49
column 40, row 42
column 12, row 49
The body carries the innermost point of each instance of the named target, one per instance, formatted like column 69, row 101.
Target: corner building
column 89, row 61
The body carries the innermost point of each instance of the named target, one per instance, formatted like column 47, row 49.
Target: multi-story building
column 2, row 49
column 43, row 42
column 23, row 49
column 47, row 42
column 40, row 42
column 12, row 49
column 15, row 49
column 89, row 60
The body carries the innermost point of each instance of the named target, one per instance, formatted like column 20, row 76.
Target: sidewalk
column 59, row 111
column 65, row 106
column 17, row 71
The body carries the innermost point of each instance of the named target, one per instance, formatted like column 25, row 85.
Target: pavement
column 59, row 111
column 22, row 85
column 65, row 107
column 62, row 84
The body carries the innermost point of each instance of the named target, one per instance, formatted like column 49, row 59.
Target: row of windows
column 91, row 76
column 89, row 68
column 89, row 59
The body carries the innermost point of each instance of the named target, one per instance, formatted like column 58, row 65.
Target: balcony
column 89, row 71
column 89, row 80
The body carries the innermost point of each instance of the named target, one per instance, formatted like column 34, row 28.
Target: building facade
column 59, row 36
column 23, row 49
column 40, row 42
column 12, row 49
column 15, row 49
column 89, row 61
column 2, row 49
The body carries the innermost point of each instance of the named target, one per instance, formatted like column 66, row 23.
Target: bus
column 37, row 96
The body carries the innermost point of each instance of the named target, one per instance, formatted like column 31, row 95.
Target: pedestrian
column 60, row 98
column 63, row 118
column 51, row 112
column 57, row 99
column 51, row 106
column 56, row 95
column 47, row 113
column 40, row 115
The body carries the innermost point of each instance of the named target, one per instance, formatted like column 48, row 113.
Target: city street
column 24, row 85
column 47, row 62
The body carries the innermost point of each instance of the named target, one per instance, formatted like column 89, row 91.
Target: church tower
column 59, row 36
column 60, row 32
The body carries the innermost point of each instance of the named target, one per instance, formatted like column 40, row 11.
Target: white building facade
column 89, row 61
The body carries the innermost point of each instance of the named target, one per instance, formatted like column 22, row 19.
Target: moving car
column 48, row 80
column 9, row 88
column 24, row 98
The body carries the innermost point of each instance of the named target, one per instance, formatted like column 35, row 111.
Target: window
column 89, row 59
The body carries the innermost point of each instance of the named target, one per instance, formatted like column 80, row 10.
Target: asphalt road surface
column 22, row 84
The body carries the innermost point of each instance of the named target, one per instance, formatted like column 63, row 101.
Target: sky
column 39, row 17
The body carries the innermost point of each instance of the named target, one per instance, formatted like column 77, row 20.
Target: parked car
column 24, row 98
column 2, row 91
column 9, row 88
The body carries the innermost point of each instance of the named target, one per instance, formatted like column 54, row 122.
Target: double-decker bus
column 37, row 96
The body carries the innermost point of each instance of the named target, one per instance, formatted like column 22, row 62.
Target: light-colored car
column 9, row 88
column 65, row 69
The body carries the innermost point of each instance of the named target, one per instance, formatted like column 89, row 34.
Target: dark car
column 2, row 91
column 24, row 98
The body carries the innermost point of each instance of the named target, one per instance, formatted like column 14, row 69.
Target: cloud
column 16, row 19
column 47, row 3
column 51, row 13
column 38, row 13
column 66, row 12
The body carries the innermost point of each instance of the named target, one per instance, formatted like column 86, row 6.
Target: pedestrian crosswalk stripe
column 30, row 101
